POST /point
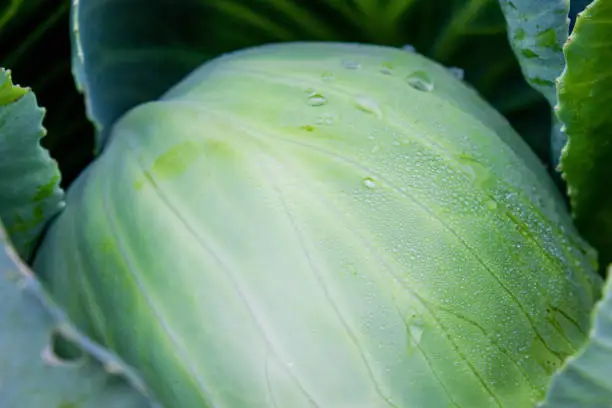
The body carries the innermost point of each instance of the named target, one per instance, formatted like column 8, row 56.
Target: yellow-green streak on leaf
column 9, row 92
column 46, row 190
column 179, row 158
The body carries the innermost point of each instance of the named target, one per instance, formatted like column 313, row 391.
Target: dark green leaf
column 585, row 101
column 537, row 32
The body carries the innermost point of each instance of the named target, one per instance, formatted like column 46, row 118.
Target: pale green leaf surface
column 325, row 222
column 29, row 178
column 537, row 31
column 585, row 108
column 586, row 379
column 31, row 375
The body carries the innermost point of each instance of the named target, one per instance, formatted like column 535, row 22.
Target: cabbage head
column 323, row 225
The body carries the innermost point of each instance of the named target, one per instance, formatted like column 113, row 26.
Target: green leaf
column 585, row 380
column 29, row 178
column 585, row 97
column 537, row 32
column 32, row 374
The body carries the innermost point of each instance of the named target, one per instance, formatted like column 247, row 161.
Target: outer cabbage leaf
column 585, row 97
column 31, row 374
column 327, row 225
column 131, row 52
column 537, row 31
column 29, row 177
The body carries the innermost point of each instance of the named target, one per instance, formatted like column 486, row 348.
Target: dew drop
column 474, row 169
column 491, row 204
column 415, row 333
column 457, row 72
column 369, row 182
column 326, row 119
column 316, row 99
column 350, row 64
column 112, row 367
column 368, row 105
column 386, row 68
column 420, row 80
column 408, row 48
column 328, row 76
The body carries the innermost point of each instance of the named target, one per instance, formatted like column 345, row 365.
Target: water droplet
column 420, row 80
column 369, row 182
column 386, row 68
column 474, row 169
column 408, row 48
column 317, row 99
column 326, row 119
column 457, row 72
column 368, row 105
column 492, row 204
column 328, row 76
column 112, row 367
column 350, row 64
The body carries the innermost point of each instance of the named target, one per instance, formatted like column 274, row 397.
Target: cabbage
column 323, row 225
